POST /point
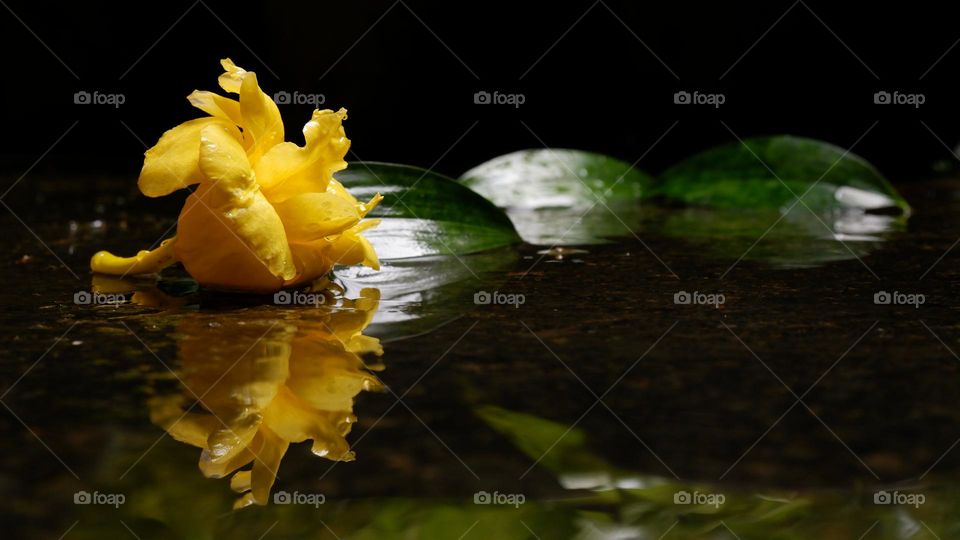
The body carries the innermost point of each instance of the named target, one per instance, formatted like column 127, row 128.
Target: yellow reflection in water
column 255, row 380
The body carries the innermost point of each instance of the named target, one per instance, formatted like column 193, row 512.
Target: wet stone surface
column 798, row 380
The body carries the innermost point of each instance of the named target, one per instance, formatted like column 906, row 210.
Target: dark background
column 407, row 72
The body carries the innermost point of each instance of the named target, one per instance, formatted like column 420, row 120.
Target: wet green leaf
column 742, row 201
column 425, row 213
column 421, row 294
column 563, row 196
column 772, row 172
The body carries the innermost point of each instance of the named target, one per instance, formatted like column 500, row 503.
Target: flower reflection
column 252, row 385
column 141, row 292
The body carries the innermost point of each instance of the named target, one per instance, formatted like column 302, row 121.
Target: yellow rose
column 266, row 213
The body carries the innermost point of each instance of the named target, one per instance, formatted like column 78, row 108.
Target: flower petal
column 336, row 187
column 233, row 76
column 144, row 262
column 317, row 258
column 311, row 261
column 229, row 236
column 352, row 248
column 233, row 248
column 287, row 169
column 172, row 163
column 312, row 216
column 224, row 163
column 216, row 105
column 262, row 124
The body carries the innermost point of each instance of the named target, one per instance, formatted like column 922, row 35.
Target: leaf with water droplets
column 425, row 213
column 563, row 196
column 776, row 172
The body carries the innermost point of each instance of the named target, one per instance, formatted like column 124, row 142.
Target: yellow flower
column 266, row 213
column 262, row 386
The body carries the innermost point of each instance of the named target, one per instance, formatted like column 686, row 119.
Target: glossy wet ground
column 597, row 408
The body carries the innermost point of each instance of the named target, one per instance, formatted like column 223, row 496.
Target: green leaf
column 563, row 196
column 771, row 172
column 425, row 213
column 421, row 294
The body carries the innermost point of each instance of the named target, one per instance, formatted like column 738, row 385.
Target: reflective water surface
column 519, row 393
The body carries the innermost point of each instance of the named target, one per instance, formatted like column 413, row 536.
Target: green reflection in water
column 793, row 237
column 298, row 373
column 618, row 503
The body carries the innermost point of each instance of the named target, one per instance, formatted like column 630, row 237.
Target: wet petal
column 228, row 222
column 287, row 169
column 262, row 123
column 352, row 248
column 336, row 187
column 310, row 260
column 216, row 105
column 224, row 163
column 172, row 163
column 234, row 248
column 144, row 262
column 232, row 77
column 312, row 216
